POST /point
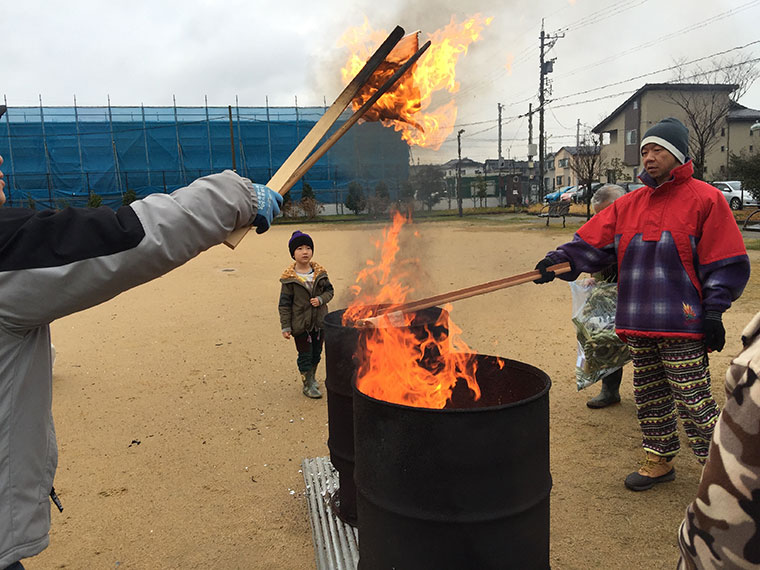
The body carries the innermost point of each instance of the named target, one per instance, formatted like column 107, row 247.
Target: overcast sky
column 147, row 51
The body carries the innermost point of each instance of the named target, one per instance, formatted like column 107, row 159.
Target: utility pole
column 459, row 172
column 546, row 67
column 531, row 150
column 500, row 108
column 499, row 190
column 578, row 134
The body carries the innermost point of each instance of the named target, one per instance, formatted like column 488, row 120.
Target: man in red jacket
column 681, row 263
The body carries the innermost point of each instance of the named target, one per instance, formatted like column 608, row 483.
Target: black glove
column 546, row 276
column 715, row 334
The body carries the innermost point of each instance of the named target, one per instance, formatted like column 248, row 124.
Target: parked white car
column 732, row 190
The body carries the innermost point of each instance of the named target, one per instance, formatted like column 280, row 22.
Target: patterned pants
column 670, row 375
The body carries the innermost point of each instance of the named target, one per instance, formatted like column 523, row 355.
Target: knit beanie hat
column 299, row 238
column 671, row 134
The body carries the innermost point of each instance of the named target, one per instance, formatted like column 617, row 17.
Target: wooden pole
column 319, row 153
column 465, row 293
column 324, row 124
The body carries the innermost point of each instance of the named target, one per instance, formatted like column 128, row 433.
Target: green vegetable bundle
column 600, row 350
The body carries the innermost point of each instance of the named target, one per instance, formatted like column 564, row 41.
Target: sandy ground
column 182, row 427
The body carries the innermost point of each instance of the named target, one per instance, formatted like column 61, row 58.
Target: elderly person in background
column 610, row 393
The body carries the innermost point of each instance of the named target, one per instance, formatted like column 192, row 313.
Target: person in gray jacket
column 54, row 263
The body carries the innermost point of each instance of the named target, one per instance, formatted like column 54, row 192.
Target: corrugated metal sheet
column 336, row 544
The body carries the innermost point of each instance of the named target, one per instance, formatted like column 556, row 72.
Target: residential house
column 515, row 180
column 563, row 166
column 739, row 136
column 655, row 101
column 468, row 167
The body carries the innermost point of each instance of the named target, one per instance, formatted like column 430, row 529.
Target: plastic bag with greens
column 600, row 350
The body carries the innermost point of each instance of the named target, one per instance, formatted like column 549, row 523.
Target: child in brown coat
column 306, row 290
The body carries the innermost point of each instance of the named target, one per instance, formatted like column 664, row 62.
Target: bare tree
column 714, row 89
column 741, row 70
column 588, row 166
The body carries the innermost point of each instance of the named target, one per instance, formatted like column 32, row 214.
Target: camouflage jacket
column 722, row 525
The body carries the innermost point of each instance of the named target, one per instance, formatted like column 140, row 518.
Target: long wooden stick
column 319, row 153
column 394, row 312
column 324, row 124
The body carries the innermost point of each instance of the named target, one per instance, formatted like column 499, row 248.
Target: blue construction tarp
column 58, row 156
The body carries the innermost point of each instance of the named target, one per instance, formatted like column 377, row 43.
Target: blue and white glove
column 269, row 206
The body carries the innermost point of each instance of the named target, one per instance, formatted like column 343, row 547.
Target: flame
column 407, row 108
column 405, row 363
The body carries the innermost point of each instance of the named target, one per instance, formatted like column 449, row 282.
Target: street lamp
column 459, row 171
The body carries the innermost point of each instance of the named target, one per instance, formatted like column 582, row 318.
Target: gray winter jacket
column 53, row 264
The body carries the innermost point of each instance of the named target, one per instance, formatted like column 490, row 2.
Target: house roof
column 494, row 163
column 741, row 113
column 573, row 150
column 663, row 87
column 464, row 163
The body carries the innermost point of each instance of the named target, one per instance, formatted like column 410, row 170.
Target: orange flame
column 413, row 365
column 407, row 107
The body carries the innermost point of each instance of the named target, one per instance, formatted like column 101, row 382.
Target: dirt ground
column 182, row 427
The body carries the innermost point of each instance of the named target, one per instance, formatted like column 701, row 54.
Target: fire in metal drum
column 463, row 487
column 341, row 344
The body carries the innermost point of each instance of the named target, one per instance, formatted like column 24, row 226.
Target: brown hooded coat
column 297, row 315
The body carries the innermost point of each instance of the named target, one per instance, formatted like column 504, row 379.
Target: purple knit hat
column 299, row 238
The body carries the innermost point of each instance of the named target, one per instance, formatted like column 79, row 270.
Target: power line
column 634, row 90
column 702, row 24
column 672, row 67
column 600, row 15
column 692, row 27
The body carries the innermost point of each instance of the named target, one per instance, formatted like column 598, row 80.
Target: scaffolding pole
column 116, row 168
column 10, row 149
column 269, row 137
column 240, row 139
column 79, row 144
column 179, row 145
column 47, row 155
column 208, row 132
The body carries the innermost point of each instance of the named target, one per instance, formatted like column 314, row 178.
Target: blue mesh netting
column 57, row 156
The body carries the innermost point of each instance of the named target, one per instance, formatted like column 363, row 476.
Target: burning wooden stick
column 294, row 167
column 312, row 160
column 394, row 314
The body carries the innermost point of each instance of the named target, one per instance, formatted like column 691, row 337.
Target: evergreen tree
column 746, row 168
column 129, row 197
column 355, row 200
column 307, row 192
column 94, row 200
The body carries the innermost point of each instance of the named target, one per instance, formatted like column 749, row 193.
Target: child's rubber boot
column 655, row 469
column 310, row 389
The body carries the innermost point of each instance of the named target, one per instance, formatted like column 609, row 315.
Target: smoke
column 486, row 59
